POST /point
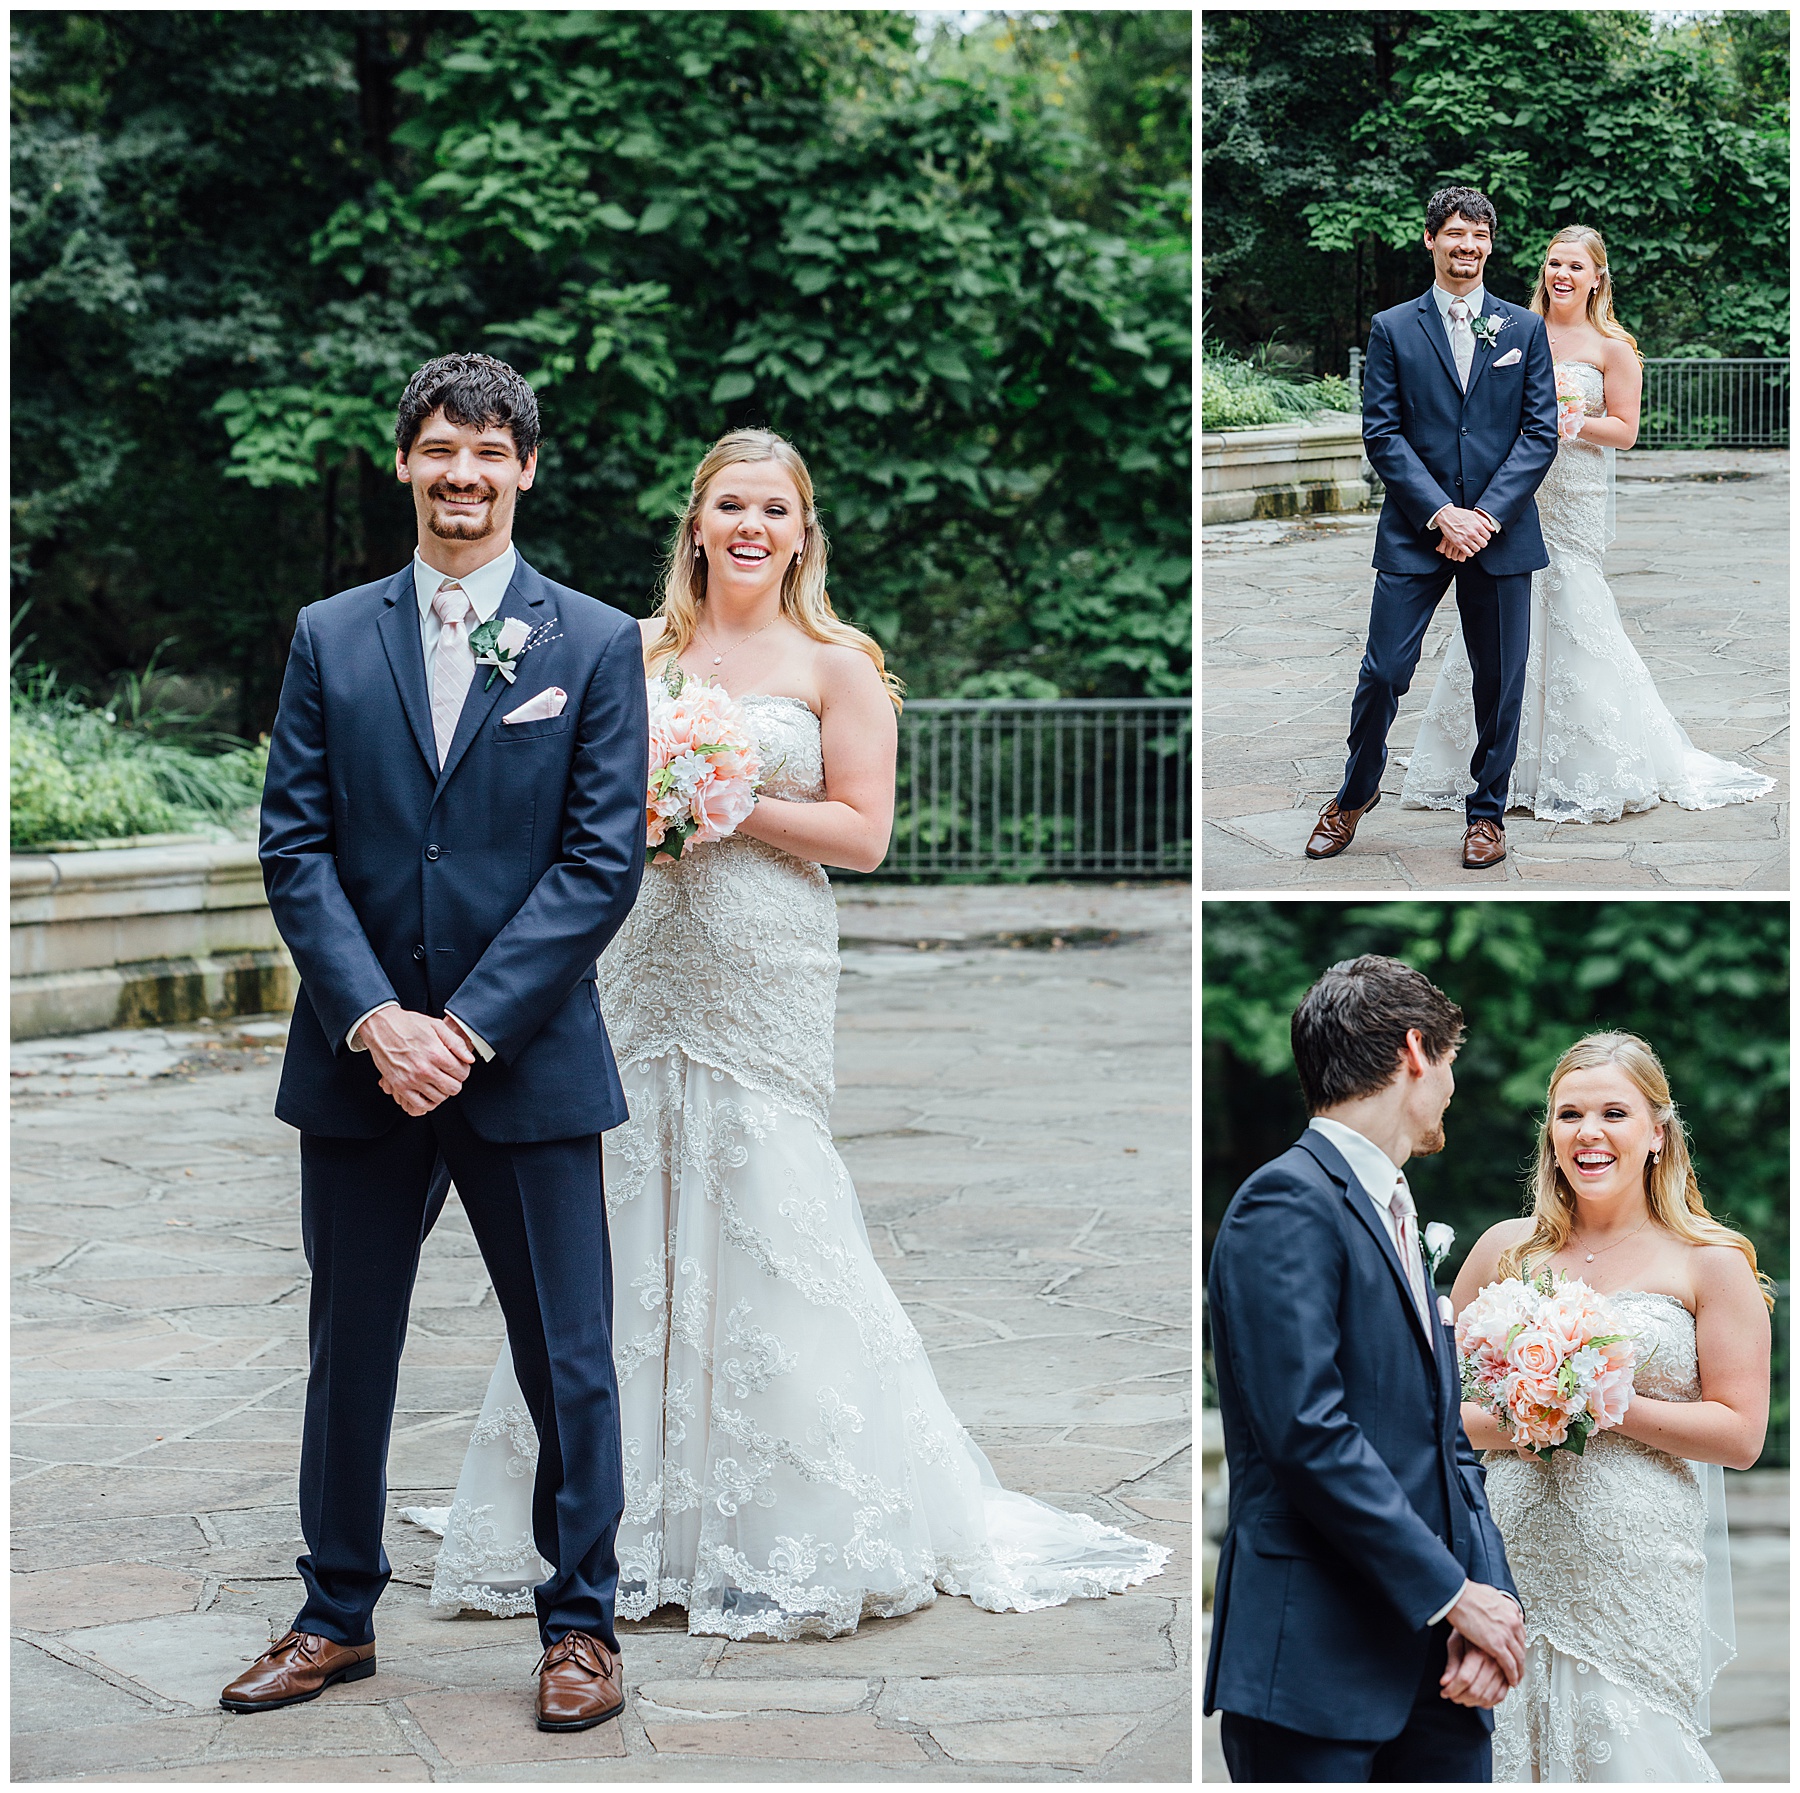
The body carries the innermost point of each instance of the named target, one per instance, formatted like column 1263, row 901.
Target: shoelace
column 568, row 1648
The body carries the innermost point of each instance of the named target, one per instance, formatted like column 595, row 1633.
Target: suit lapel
column 398, row 626
column 1364, row 1210
column 526, row 599
column 1483, row 352
column 1432, row 323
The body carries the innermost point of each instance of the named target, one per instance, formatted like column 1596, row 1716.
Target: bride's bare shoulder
column 1498, row 1239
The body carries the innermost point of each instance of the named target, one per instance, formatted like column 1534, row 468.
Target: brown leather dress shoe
column 581, row 1683
column 295, row 1668
column 1483, row 845
column 1336, row 828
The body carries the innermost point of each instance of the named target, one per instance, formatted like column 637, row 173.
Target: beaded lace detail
column 1596, row 742
column 790, row 1464
column 1607, row 1552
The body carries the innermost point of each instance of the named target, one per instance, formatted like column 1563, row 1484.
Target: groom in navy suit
column 452, row 829
column 1459, row 420
column 1365, row 1621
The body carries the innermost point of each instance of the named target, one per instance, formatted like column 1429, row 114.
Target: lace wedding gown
column 1595, row 740
column 1619, row 1558
column 790, row 1465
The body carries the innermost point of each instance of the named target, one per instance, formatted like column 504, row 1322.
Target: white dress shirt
column 1376, row 1174
column 1475, row 300
column 484, row 587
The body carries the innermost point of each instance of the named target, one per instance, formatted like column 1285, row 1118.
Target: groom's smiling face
column 1431, row 1085
column 465, row 480
column 1459, row 253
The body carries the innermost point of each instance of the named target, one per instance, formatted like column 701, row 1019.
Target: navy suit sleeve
column 1518, row 477
column 1280, row 1267
column 1489, row 1564
column 1395, row 459
column 577, row 906
column 343, row 977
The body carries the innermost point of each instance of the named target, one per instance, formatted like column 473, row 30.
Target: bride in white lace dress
column 1619, row 1554
column 790, row 1465
column 1595, row 740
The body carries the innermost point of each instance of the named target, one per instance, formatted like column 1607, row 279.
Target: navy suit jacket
column 1433, row 444
column 1357, row 1505
column 488, row 887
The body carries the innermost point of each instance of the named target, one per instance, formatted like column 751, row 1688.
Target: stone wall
column 141, row 936
column 1284, row 470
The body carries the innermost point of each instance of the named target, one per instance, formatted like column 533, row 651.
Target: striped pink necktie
column 1406, row 1221
column 452, row 667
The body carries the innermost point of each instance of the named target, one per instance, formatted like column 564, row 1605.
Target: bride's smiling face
column 750, row 527
column 1569, row 275
column 1603, row 1131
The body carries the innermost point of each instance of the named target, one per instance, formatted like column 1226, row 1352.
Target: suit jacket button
column 418, row 952
column 1465, row 432
column 431, row 852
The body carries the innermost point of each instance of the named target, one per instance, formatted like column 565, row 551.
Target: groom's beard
column 1432, row 1144
column 462, row 529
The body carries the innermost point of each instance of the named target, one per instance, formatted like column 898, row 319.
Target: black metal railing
column 1028, row 788
column 1729, row 402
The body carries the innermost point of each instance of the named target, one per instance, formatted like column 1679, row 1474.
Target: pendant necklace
column 1604, row 1249
column 719, row 659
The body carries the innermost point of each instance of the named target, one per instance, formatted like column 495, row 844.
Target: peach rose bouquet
column 704, row 765
column 1571, row 403
column 1548, row 1358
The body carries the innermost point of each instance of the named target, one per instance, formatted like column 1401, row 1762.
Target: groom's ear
column 529, row 472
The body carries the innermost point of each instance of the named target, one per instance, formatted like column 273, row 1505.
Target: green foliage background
column 1325, row 133
column 952, row 264
column 1705, row 983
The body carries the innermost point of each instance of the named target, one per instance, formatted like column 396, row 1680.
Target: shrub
column 80, row 774
column 1238, row 394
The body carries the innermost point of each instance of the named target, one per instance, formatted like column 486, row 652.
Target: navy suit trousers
column 1442, row 1742
column 1496, row 625
column 539, row 1216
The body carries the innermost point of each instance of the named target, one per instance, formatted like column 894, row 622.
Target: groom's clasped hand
column 423, row 1061
column 1487, row 1650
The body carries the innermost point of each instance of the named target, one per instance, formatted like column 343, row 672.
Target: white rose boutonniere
column 500, row 643
column 1438, row 1240
column 1485, row 329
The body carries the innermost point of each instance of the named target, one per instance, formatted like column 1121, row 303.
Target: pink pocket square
column 1508, row 359
column 548, row 702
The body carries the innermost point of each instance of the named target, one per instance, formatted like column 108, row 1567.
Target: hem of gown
column 1444, row 800
column 820, row 1116
column 965, row 1581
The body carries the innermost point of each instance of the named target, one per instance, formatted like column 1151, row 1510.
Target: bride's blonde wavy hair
column 805, row 601
column 1600, row 300
column 1670, row 1187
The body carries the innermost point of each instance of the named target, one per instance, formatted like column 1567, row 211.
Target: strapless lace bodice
column 731, row 951
column 1607, row 1550
column 1572, row 500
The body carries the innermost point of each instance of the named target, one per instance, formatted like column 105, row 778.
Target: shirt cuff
column 350, row 1038
column 1442, row 1610
column 483, row 1050
column 1432, row 524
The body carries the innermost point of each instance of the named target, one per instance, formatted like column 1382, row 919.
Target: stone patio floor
column 1013, row 1102
column 1700, row 570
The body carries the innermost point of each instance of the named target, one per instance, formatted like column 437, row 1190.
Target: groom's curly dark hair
column 1350, row 1028
column 475, row 392
column 1476, row 207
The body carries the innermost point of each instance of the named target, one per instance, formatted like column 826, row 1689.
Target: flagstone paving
column 1015, row 1112
column 1700, row 570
